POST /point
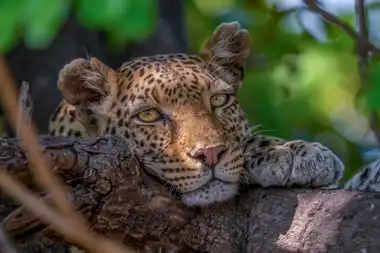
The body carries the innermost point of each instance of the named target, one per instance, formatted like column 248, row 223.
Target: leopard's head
column 178, row 111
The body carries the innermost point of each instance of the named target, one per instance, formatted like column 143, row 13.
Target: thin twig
column 65, row 220
column 25, row 101
column 363, row 57
column 314, row 7
column 362, row 49
column 363, row 45
column 41, row 170
column 62, row 224
column 5, row 245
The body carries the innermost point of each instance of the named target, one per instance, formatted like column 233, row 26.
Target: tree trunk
column 123, row 203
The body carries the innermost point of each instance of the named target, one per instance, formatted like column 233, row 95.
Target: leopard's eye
column 149, row 115
column 219, row 100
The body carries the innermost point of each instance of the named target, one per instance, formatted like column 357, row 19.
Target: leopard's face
column 179, row 113
column 185, row 124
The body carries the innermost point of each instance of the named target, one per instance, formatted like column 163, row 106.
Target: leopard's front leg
column 274, row 162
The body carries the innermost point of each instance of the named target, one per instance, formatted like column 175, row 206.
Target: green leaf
column 198, row 31
column 124, row 20
column 373, row 6
column 215, row 7
column 257, row 96
column 102, row 14
column 138, row 22
column 42, row 20
column 9, row 16
column 373, row 90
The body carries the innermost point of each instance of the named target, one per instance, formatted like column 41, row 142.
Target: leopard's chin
column 213, row 192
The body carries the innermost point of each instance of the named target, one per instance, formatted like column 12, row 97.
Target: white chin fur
column 212, row 192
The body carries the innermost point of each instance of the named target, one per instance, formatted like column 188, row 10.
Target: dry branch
column 25, row 106
column 62, row 218
column 26, row 131
column 124, row 204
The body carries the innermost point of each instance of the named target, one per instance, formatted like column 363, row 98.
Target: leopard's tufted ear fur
column 90, row 86
column 226, row 52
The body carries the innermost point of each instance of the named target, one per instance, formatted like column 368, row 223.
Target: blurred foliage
column 296, row 85
column 38, row 21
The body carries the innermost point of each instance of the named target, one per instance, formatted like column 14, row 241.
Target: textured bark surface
column 122, row 203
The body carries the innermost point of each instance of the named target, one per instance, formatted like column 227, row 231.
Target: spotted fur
column 368, row 179
column 101, row 101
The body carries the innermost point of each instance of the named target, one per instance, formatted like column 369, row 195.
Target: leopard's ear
column 85, row 81
column 226, row 52
column 90, row 86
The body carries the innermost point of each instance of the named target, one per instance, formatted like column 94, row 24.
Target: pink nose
column 210, row 156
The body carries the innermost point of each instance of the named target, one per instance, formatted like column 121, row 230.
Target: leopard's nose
column 210, row 156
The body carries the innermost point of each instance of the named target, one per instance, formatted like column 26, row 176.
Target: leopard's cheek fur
column 148, row 141
column 166, row 158
column 235, row 122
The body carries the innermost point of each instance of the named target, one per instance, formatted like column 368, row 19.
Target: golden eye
column 219, row 100
column 149, row 115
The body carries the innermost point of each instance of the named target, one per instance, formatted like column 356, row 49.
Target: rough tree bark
column 122, row 203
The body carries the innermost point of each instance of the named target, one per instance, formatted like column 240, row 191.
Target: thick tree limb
column 122, row 203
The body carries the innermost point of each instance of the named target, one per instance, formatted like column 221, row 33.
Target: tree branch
column 363, row 45
column 362, row 48
column 124, row 204
column 72, row 225
column 314, row 7
column 363, row 54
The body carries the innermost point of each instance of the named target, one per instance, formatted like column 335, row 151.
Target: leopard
column 181, row 116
